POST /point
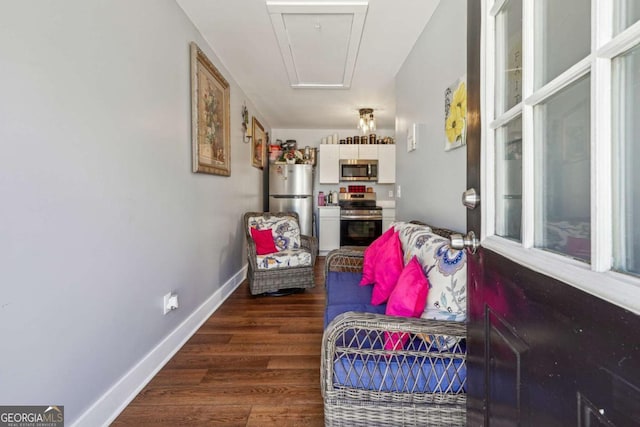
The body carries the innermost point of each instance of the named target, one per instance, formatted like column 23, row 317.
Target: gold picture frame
column 258, row 144
column 210, row 116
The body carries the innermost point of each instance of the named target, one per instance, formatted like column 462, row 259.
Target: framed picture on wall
column 455, row 114
column 258, row 144
column 210, row 116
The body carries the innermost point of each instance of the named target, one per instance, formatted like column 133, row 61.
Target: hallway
column 254, row 362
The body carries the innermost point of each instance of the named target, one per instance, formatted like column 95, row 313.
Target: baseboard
column 105, row 410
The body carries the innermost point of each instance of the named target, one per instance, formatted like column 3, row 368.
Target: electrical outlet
column 170, row 302
column 399, row 192
column 391, row 193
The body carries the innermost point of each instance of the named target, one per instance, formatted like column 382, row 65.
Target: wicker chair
column 281, row 279
column 365, row 385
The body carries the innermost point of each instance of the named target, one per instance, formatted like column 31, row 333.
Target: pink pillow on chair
column 264, row 241
column 370, row 255
column 408, row 299
column 388, row 266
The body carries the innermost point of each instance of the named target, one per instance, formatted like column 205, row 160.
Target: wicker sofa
column 291, row 267
column 423, row 382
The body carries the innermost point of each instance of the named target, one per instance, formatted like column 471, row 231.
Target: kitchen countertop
column 386, row 203
column 389, row 204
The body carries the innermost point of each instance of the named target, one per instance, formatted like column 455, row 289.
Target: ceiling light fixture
column 367, row 122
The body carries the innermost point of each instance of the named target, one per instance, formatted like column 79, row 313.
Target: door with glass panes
column 553, row 138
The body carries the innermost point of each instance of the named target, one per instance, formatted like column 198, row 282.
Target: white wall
column 431, row 179
column 101, row 214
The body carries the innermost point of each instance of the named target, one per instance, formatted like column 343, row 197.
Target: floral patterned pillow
column 407, row 231
column 446, row 269
column 285, row 229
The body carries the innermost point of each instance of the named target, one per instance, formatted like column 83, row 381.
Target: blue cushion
column 331, row 311
column 344, row 293
column 398, row 373
column 390, row 374
column 344, row 288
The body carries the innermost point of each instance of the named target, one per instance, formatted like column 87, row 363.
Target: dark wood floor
column 254, row 362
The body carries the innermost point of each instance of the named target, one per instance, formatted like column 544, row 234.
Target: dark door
column 540, row 352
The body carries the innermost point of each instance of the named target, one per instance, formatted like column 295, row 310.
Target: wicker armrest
column 360, row 336
column 310, row 243
column 252, row 254
column 349, row 260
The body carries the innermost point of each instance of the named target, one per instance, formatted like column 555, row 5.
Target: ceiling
column 329, row 70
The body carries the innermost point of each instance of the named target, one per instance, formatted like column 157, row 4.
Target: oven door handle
column 361, row 217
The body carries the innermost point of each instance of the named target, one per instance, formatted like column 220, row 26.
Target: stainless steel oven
column 360, row 219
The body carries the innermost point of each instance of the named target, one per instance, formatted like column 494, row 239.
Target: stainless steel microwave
column 358, row 170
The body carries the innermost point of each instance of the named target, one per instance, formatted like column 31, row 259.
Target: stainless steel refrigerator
column 291, row 189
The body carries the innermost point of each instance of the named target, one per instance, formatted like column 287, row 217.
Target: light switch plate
column 411, row 138
column 415, row 133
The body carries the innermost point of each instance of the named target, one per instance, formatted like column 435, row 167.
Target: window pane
column 563, row 214
column 509, row 56
column 626, row 135
column 627, row 12
column 509, row 180
column 562, row 37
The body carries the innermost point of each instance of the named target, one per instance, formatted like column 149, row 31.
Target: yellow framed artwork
column 455, row 114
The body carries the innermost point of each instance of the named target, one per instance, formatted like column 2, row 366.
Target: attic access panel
column 319, row 42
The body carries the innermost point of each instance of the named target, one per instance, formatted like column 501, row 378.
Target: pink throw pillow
column 264, row 241
column 370, row 255
column 408, row 299
column 387, row 270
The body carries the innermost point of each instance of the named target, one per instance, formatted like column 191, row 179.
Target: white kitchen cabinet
column 358, row 152
column 348, row 152
column 329, row 164
column 329, row 228
column 368, row 152
column 386, row 164
column 388, row 217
